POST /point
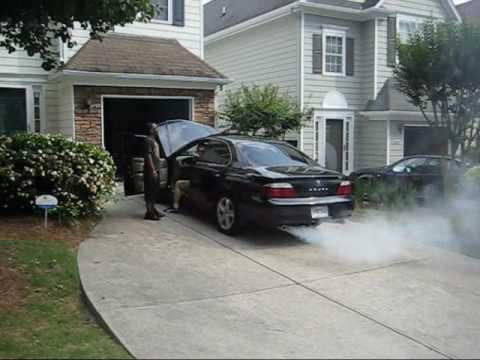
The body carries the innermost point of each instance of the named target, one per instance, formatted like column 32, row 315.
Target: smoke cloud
column 381, row 236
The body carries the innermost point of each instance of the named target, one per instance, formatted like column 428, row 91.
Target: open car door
column 173, row 136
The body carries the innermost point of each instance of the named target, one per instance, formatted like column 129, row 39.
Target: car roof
column 235, row 139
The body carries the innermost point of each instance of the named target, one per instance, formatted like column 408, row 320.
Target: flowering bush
column 80, row 175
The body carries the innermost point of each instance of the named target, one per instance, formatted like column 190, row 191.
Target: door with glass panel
column 13, row 111
column 334, row 140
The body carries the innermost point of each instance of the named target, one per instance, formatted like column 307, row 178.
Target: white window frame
column 408, row 18
column 340, row 34
column 169, row 21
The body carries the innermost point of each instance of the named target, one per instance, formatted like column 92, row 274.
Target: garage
column 128, row 116
column 424, row 140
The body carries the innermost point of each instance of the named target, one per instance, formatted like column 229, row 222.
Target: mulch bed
column 28, row 227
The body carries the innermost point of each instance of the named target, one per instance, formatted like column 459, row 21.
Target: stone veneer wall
column 88, row 119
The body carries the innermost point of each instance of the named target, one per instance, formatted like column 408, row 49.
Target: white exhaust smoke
column 380, row 237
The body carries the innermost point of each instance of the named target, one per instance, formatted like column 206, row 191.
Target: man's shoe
column 152, row 217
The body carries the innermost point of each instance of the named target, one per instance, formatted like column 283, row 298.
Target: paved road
column 179, row 289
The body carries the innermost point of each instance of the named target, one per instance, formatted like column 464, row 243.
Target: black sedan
column 247, row 180
column 425, row 173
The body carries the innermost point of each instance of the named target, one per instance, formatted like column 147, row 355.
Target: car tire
column 227, row 216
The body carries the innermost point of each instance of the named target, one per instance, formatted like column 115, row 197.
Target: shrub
column 80, row 175
column 262, row 111
column 372, row 192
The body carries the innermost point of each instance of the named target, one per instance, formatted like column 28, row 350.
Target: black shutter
column 317, row 53
column 179, row 12
column 392, row 42
column 350, row 68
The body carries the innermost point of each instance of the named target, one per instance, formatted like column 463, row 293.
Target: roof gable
column 128, row 54
column 239, row 11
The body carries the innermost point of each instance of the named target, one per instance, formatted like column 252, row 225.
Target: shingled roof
column 239, row 11
column 127, row 54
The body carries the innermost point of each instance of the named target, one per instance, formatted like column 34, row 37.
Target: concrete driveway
column 179, row 289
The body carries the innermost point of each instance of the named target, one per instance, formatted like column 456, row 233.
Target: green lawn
column 41, row 311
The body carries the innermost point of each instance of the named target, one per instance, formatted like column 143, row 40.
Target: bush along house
column 337, row 58
column 143, row 72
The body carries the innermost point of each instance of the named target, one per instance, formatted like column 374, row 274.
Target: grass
column 42, row 314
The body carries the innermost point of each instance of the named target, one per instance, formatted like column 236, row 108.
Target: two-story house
column 335, row 57
column 140, row 73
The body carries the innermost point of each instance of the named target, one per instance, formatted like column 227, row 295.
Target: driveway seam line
column 400, row 263
column 355, row 311
column 150, row 306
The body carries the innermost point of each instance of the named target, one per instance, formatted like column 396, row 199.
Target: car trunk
column 308, row 181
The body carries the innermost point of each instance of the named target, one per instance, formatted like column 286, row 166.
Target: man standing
column 152, row 173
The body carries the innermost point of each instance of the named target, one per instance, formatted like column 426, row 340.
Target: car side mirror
column 408, row 169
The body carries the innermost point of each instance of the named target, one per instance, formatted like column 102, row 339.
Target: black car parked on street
column 248, row 180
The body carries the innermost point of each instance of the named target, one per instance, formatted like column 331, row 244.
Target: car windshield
column 176, row 134
column 265, row 154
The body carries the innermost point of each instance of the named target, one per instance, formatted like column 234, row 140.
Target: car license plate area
column 320, row 212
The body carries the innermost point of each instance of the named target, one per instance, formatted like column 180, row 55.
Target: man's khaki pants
column 181, row 190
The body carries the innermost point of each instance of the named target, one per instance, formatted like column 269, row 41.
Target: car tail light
column 279, row 191
column 345, row 188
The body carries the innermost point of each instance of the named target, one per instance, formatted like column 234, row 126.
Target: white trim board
column 128, row 76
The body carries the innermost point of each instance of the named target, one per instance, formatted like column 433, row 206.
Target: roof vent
column 224, row 10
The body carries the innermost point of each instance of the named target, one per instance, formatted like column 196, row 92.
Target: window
column 264, row 154
column 214, row 152
column 334, row 54
column 407, row 26
column 37, row 112
column 410, row 165
column 13, row 111
column 163, row 10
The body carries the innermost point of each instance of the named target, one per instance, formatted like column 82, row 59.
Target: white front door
column 334, row 140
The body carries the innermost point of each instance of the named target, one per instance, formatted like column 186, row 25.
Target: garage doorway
column 124, row 117
column 423, row 140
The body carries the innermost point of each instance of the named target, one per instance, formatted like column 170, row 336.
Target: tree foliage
column 262, row 111
column 37, row 25
column 439, row 72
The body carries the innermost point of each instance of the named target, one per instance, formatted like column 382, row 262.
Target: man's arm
column 149, row 160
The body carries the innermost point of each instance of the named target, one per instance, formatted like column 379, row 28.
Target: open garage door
column 125, row 118
column 423, row 140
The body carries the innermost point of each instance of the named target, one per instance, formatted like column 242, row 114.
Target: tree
column 35, row 25
column 439, row 72
column 262, row 111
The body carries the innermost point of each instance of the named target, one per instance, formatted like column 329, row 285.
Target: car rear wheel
column 227, row 215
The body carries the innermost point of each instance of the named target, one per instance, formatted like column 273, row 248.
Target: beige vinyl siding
column 189, row 35
column 423, row 8
column 63, row 123
column 396, row 141
column 19, row 63
column 426, row 8
column 371, row 143
column 262, row 55
column 357, row 89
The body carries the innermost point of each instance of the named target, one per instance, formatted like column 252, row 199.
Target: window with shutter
column 334, row 52
column 350, row 57
column 317, row 53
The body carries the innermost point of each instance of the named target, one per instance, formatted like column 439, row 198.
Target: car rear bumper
column 298, row 211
